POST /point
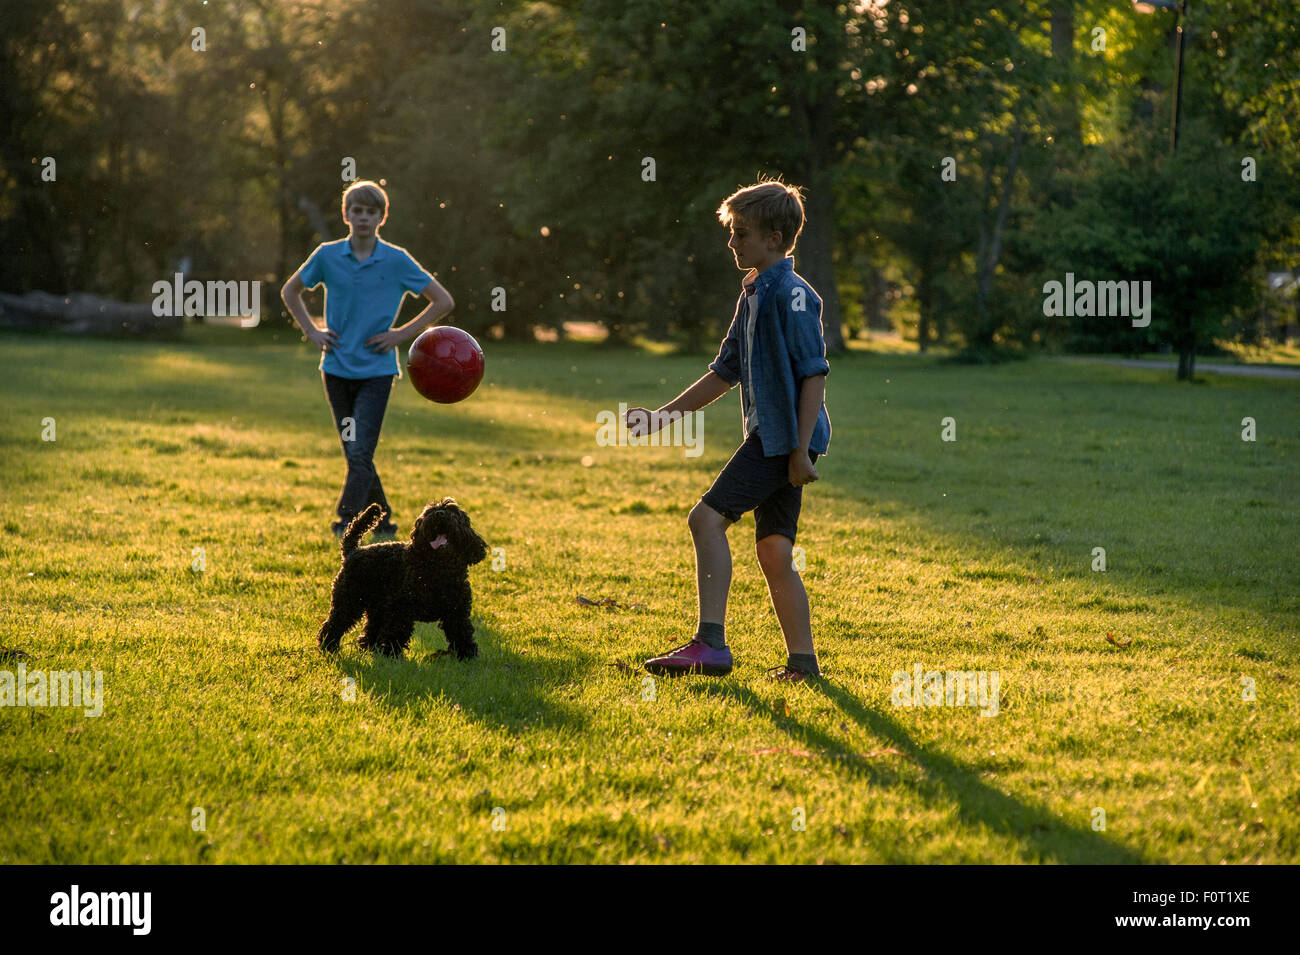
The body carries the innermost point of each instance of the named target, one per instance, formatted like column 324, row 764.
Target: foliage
column 521, row 168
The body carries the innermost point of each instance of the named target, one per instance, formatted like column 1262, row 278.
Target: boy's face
column 751, row 247
column 363, row 219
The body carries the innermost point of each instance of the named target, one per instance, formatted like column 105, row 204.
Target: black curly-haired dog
column 396, row 584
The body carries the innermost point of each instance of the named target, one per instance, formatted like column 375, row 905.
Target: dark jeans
column 364, row 400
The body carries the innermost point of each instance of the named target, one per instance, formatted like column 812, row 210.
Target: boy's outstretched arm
column 812, row 392
column 704, row 392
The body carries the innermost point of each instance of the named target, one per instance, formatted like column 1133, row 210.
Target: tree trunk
column 315, row 217
column 817, row 244
column 990, row 246
column 814, row 119
column 1068, row 126
column 1186, row 343
column 923, row 302
column 874, row 300
column 82, row 314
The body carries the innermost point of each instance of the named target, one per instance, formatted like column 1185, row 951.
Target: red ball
column 445, row 364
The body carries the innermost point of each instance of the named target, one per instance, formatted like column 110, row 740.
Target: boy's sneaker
column 694, row 657
column 786, row 675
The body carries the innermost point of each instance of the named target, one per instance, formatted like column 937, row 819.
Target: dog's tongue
column 438, row 541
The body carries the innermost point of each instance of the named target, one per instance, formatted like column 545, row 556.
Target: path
column 1256, row 371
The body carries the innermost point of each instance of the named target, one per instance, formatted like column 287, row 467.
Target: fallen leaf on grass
column 1110, row 638
column 609, row 602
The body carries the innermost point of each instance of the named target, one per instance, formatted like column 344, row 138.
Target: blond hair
column 368, row 193
column 771, row 206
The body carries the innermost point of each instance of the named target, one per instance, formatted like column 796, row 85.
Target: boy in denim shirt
column 775, row 351
column 365, row 281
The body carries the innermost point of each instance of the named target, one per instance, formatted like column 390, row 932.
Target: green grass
column 972, row 555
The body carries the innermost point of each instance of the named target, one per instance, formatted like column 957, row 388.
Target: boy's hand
column 385, row 341
column 641, row 422
column 322, row 338
column 801, row 469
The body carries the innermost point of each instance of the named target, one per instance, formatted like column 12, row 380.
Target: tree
column 1185, row 222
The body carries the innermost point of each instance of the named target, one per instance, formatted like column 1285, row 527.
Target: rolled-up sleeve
column 803, row 334
column 727, row 365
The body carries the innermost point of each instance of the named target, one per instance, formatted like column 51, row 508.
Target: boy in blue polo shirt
column 775, row 351
column 365, row 281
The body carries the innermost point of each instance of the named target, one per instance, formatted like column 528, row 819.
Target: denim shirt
column 787, row 348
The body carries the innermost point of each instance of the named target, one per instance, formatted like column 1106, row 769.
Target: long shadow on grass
column 500, row 688
column 1056, row 461
column 1039, row 835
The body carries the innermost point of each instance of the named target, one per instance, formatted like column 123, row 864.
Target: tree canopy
column 955, row 156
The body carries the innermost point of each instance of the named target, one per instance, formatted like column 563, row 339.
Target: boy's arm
column 704, row 392
column 812, row 392
column 291, row 295
column 440, row 305
column 641, row 421
column 802, row 326
column 723, row 375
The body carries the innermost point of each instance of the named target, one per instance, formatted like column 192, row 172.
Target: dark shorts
column 753, row 482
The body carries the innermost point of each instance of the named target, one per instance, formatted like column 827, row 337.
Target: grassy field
column 1120, row 690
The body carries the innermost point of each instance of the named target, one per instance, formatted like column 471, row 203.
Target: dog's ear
column 468, row 544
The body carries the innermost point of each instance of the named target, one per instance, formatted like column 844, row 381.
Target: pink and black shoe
column 694, row 657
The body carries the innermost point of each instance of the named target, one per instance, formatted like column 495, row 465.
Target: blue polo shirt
column 771, row 362
column 361, row 301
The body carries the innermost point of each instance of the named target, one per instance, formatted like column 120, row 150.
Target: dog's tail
column 361, row 525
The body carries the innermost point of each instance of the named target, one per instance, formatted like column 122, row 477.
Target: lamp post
column 1180, row 8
